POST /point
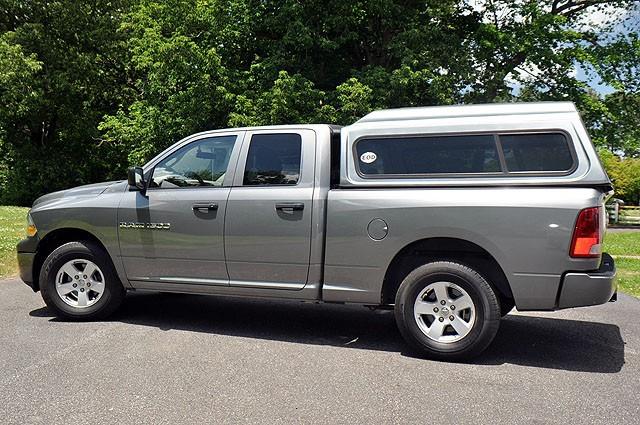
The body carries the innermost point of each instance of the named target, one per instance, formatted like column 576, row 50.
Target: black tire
column 487, row 308
column 506, row 305
column 113, row 293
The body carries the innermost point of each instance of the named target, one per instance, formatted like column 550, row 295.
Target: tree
column 88, row 88
column 618, row 64
column 176, row 82
column 66, row 76
column 624, row 174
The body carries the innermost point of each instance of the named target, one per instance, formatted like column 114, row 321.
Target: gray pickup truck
column 448, row 215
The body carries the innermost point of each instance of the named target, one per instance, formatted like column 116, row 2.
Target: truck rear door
column 268, row 219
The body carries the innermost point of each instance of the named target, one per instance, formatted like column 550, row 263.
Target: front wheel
column 79, row 282
column 506, row 305
column 447, row 311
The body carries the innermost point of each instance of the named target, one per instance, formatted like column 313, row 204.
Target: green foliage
column 88, row 88
column 625, row 175
column 66, row 66
column 291, row 99
column 617, row 126
column 18, row 79
column 178, row 85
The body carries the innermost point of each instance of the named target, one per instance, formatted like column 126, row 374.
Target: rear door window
column 273, row 159
column 471, row 154
column 548, row 152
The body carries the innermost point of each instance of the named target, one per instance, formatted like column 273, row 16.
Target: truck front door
column 268, row 220
column 175, row 232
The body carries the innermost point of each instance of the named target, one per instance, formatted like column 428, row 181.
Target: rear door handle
column 205, row 207
column 290, row 206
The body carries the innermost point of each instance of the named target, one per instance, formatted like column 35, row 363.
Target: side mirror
column 135, row 176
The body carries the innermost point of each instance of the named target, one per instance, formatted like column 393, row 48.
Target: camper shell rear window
column 512, row 154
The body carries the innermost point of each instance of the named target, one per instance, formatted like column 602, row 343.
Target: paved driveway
column 194, row 359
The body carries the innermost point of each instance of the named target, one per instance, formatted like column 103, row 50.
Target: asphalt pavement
column 171, row 359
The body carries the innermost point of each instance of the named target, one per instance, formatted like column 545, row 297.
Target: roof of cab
column 452, row 111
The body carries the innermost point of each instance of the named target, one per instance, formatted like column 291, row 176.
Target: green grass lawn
column 621, row 245
column 628, row 275
column 13, row 224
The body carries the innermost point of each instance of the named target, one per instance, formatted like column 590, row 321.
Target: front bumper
column 580, row 289
column 26, row 256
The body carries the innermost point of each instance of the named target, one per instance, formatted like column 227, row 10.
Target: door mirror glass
column 136, row 179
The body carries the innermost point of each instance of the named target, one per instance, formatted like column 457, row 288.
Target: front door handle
column 205, row 207
column 290, row 206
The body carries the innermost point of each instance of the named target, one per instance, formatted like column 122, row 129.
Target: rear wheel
column 78, row 281
column 447, row 311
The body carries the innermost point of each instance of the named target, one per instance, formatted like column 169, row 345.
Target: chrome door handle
column 290, row 206
column 205, row 207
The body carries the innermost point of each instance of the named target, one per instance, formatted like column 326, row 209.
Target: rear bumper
column 580, row 289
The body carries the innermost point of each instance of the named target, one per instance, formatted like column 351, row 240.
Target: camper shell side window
column 465, row 155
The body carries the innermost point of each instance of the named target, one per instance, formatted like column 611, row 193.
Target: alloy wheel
column 80, row 283
column 444, row 312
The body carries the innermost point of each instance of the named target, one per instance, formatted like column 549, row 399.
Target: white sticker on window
column 368, row 157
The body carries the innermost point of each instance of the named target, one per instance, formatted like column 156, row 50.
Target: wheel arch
column 426, row 250
column 55, row 239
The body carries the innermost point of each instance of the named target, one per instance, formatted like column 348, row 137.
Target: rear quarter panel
column 527, row 230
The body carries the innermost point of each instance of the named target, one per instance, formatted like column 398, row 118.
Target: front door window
column 198, row 164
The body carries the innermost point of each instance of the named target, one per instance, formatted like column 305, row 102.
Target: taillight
column 586, row 235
